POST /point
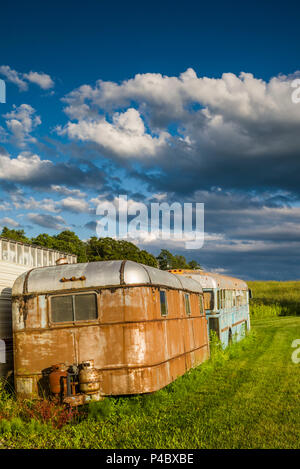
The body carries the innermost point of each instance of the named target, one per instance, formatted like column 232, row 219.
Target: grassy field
column 244, row 397
column 275, row 299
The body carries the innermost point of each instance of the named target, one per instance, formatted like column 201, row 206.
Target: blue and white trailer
column 226, row 303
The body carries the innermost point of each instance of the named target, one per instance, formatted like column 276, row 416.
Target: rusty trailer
column 132, row 328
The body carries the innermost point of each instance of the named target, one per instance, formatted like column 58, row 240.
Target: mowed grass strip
column 244, row 397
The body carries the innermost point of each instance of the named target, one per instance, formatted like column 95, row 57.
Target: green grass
column 244, row 397
column 275, row 299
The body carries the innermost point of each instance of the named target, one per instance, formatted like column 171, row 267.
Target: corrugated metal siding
column 8, row 273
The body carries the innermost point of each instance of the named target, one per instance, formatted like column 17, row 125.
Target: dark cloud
column 47, row 221
column 91, row 226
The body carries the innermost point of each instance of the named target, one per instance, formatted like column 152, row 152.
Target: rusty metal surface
column 98, row 274
column 89, row 378
column 230, row 283
column 212, row 280
column 58, row 371
column 205, row 279
column 134, row 347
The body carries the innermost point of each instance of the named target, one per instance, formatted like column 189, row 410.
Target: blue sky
column 187, row 102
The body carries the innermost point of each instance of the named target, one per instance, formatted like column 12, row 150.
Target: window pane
column 62, row 308
column 51, row 258
column 85, row 307
column 20, row 254
column 4, row 251
column 214, row 326
column 32, row 256
column 163, row 303
column 208, row 300
column 12, row 253
column 26, row 255
column 45, row 258
column 39, row 257
column 187, row 304
column 201, row 304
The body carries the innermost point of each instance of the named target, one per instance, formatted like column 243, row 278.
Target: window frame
column 187, row 297
column 166, row 302
column 73, row 321
column 211, row 301
column 201, row 304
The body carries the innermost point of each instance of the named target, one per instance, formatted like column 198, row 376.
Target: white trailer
column 16, row 258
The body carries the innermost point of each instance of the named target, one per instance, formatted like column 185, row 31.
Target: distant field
column 275, row 299
column 244, row 397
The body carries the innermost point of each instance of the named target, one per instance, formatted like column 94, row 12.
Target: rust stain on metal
column 72, row 279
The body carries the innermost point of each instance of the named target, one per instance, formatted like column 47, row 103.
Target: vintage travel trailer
column 83, row 331
column 226, row 303
column 16, row 258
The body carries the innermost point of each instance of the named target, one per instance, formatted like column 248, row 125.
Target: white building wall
column 16, row 258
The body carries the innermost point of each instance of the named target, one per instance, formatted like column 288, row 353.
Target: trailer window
column 214, row 326
column 85, row 307
column 201, row 304
column 62, row 308
column 71, row 308
column 187, row 304
column 208, row 300
column 163, row 303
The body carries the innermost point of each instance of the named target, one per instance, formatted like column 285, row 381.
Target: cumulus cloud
column 4, row 205
column 13, row 77
column 125, row 136
column 21, row 122
column 23, row 168
column 209, row 129
column 9, row 221
column 41, row 79
column 47, row 221
column 63, row 190
column 30, row 170
column 72, row 204
column 22, row 202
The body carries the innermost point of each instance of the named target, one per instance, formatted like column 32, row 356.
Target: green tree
column 44, row 240
column 166, row 261
column 16, row 235
column 66, row 241
column 103, row 249
column 194, row 265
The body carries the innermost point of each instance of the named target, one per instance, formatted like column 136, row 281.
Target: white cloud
column 75, row 205
column 4, row 205
column 66, row 191
column 125, row 136
column 21, row 122
column 25, row 166
column 232, row 114
column 9, row 221
column 13, row 77
column 30, row 203
column 43, row 80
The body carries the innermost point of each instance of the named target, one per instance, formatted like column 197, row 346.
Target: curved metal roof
column 98, row 274
column 212, row 280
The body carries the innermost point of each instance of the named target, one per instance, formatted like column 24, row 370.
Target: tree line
column 101, row 249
